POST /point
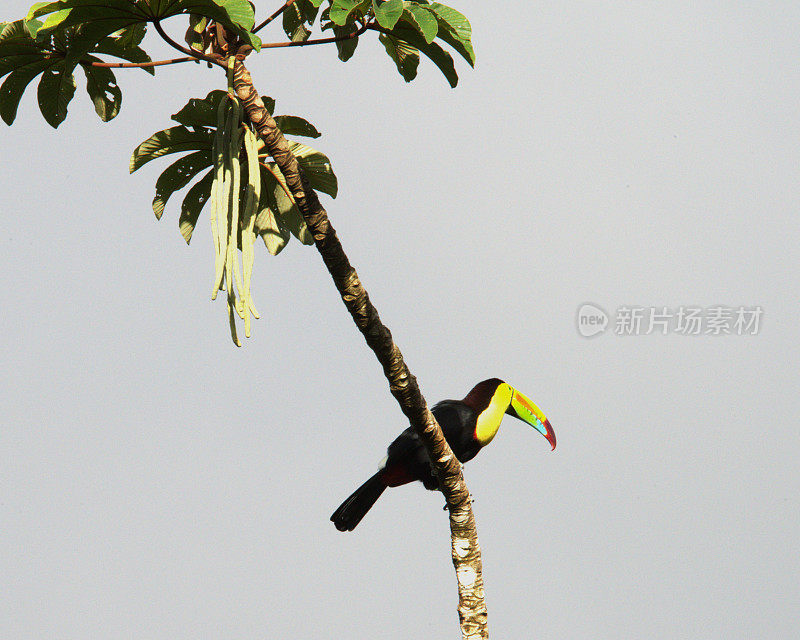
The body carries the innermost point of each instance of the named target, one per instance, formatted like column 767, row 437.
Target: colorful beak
column 523, row 408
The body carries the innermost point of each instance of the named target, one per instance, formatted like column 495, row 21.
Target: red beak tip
column 551, row 435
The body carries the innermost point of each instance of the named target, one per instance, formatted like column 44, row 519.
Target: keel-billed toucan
column 468, row 425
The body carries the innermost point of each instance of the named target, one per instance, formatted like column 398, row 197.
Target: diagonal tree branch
column 465, row 550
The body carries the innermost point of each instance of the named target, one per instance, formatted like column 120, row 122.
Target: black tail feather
column 352, row 510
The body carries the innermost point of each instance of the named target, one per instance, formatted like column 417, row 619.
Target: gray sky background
column 156, row 482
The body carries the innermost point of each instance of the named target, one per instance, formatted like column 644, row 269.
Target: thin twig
column 189, row 52
column 355, row 34
column 136, row 65
column 286, row 5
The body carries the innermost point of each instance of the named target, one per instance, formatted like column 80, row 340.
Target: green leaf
column 103, row 90
column 32, row 25
column 296, row 16
column 293, row 22
column 194, row 34
column 200, row 112
column 340, row 11
column 193, row 204
column 14, row 86
column 66, row 13
column 56, row 90
column 278, row 188
column 405, row 57
column 317, row 168
column 18, row 49
column 268, row 224
column 236, row 15
column 291, row 217
column 274, row 234
column 13, row 56
column 439, row 56
column 131, row 37
column 236, row 12
column 43, row 8
column 422, row 19
column 346, row 48
column 296, row 126
column 11, row 31
column 172, row 140
column 58, row 57
column 117, row 47
column 457, row 31
column 309, row 10
column 286, row 212
column 81, row 39
column 296, row 31
column 387, row 13
column 176, row 176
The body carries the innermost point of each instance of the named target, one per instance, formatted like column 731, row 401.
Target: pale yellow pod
column 249, row 219
column 223, row 213
column 233, row 271
column 217, row 189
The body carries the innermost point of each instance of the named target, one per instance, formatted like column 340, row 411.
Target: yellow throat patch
column 490, row 418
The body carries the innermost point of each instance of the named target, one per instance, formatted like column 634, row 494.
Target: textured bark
column 403, row 385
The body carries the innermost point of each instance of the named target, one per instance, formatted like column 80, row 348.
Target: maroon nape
column 481, row 394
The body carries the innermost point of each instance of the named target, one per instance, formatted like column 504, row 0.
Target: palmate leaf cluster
column 57, row 37
column 55, row 58
column 406, row 30
column 278, row 218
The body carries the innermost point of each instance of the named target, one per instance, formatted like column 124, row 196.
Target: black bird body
column 468, row 425
column 407, row 458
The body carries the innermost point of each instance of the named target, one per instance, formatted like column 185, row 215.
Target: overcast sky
column 156, row 482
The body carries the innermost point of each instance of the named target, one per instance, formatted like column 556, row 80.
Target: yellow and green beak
column 523, row 408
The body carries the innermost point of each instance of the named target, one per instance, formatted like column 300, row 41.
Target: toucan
column 468, row 426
